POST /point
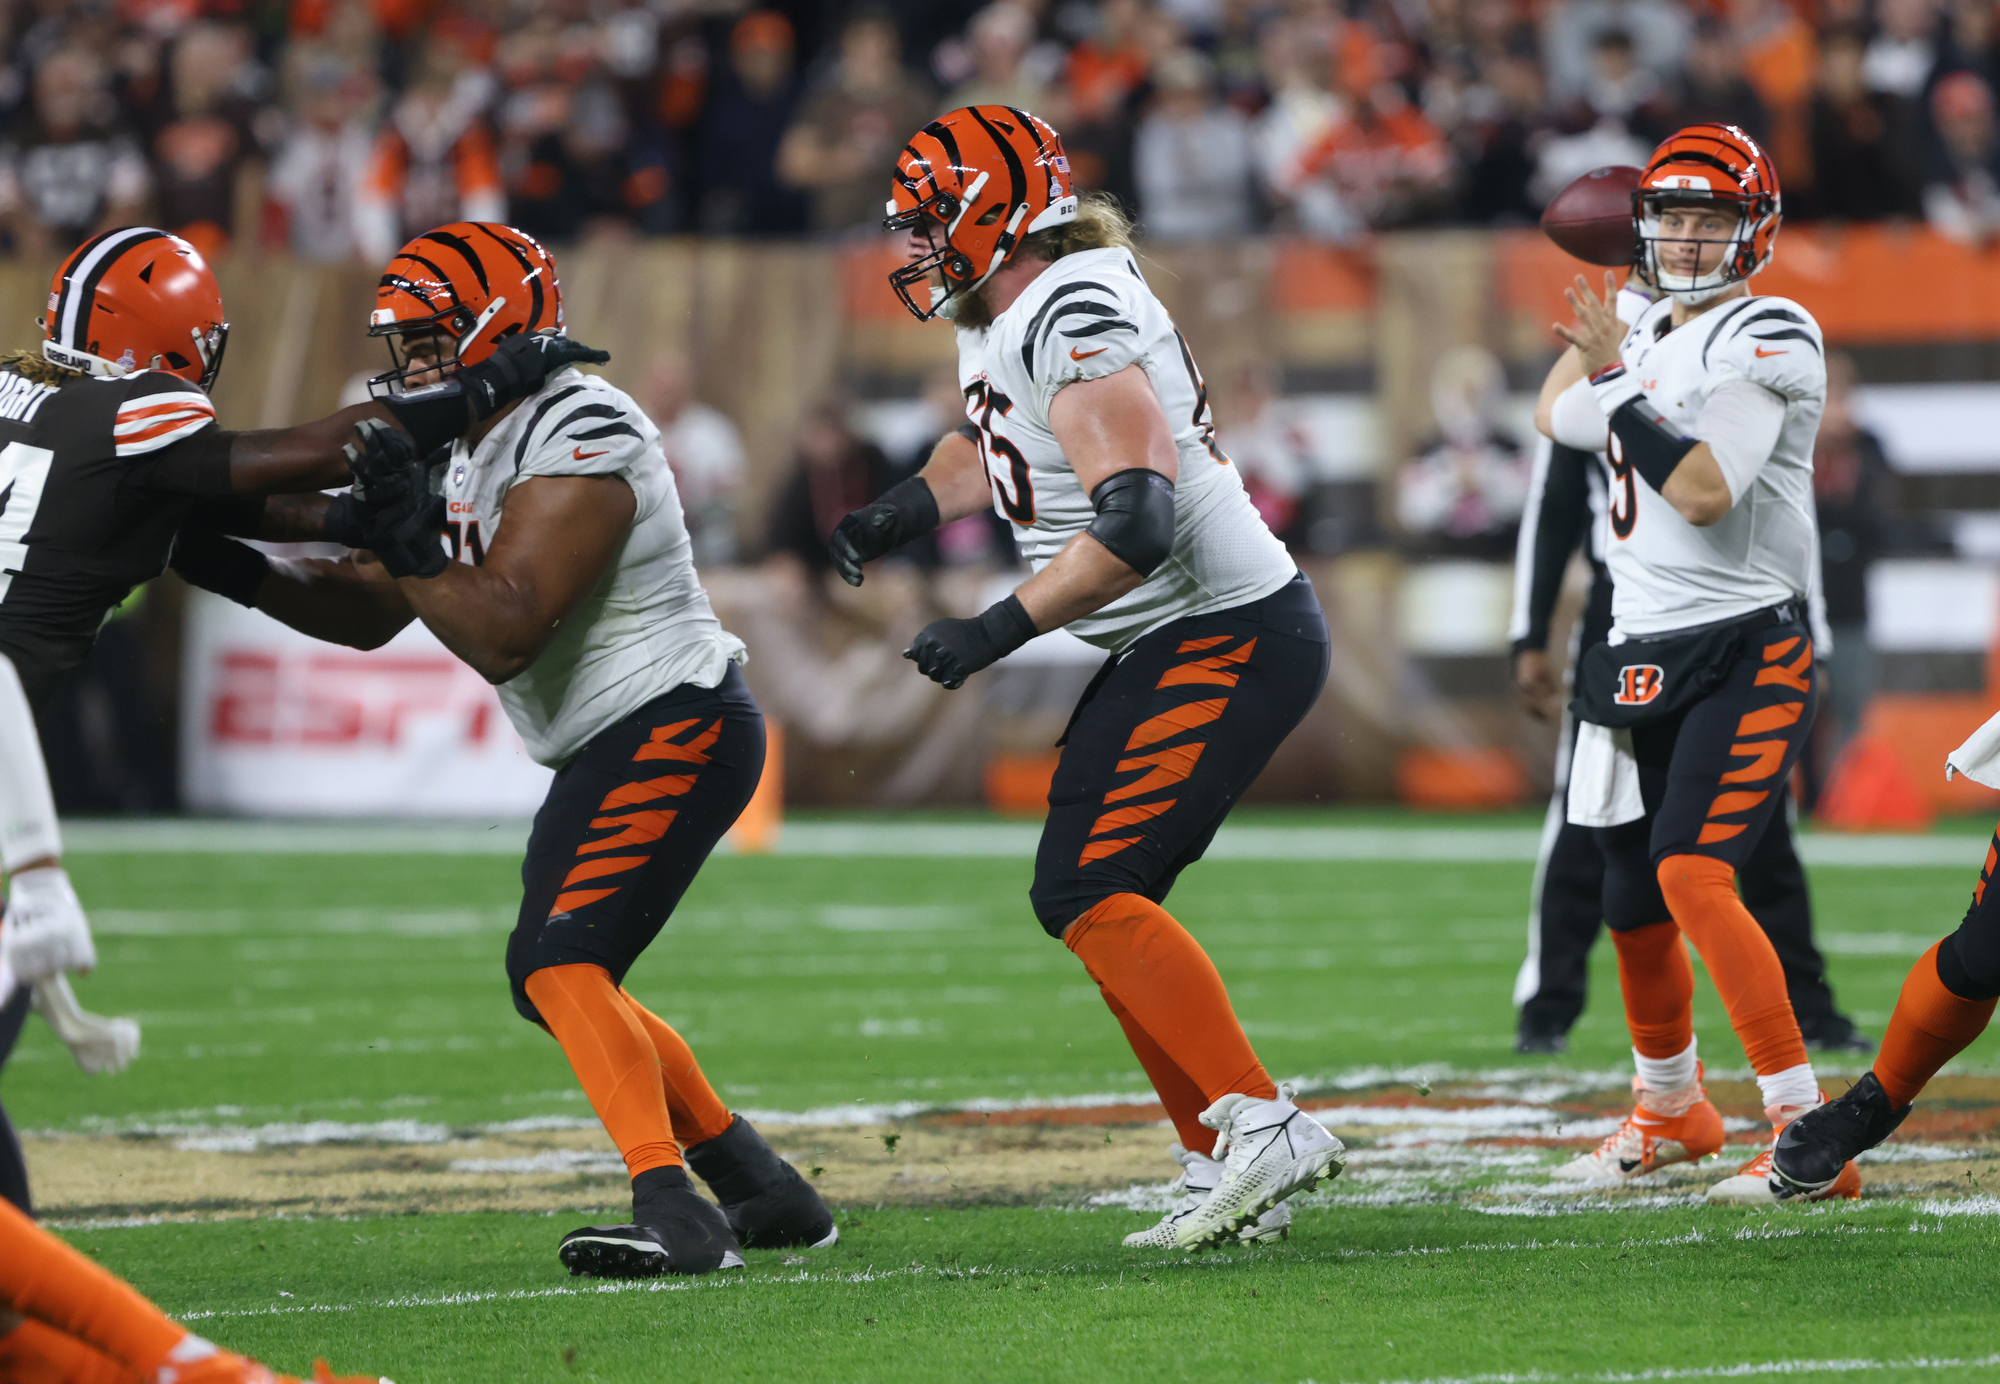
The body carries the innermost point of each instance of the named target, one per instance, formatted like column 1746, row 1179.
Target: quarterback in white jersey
column 1089, row 429
column 573, row 591
column 1695, row 709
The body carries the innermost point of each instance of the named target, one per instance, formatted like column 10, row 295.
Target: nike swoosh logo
column 1761, row 353
column 1075, row 354
column 1625, row 1165
column 581, row 455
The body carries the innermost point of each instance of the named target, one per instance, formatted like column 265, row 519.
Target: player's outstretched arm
column 351, row 601
column 1118, row 442
column 951, row 486
column 559, row 540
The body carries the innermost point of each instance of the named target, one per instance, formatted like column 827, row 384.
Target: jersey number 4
column 24, row 474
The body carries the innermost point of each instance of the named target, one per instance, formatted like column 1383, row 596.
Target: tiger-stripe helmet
column 1701, row 165
column 134, row 299
column 471, row 283
column 981, row 178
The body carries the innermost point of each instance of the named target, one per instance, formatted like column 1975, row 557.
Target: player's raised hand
column 904, row 512
column 1598, row 333
column 519, row 366
column 45, row 932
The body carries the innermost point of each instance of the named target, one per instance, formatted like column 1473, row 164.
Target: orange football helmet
column 136, row 299
column 471, row 283
column 1707, row 164
column 986, row 176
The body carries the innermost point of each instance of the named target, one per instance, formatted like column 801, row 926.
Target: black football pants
column 1164, row 741
column 626, row 826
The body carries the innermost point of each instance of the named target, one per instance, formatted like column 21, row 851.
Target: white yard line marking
column 987, row 840
column 1746, row 1370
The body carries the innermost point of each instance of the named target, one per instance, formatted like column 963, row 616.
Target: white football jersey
column 1087, row 316
column 648, row 627
column 1669, row 574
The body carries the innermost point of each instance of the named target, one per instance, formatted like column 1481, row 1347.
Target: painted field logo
column 1639, row 683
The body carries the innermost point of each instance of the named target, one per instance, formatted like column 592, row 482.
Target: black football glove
column 950, row 651
column 904, row 512
column 391, row 510
column 521, row 364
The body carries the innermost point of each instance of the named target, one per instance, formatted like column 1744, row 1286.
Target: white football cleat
column 98, row 1044
column 44, row 931
column 1197, row 1180
column 1754, row 1184
column 1664, row 1128
column 1270, row 1149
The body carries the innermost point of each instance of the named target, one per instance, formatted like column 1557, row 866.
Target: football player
column 556, row 562
column 1698, row 703
column 1567, row 509
column 108, row 445
column 1947, row 1001
column 65, row 1320
column 1089, row 430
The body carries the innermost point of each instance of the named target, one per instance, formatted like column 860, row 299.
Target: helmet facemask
column 425, row 351
column 1738, row 258
column 939, row 216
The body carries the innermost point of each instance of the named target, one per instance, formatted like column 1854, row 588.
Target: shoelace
column 1627, row 1138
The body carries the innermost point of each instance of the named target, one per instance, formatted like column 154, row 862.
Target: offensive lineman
column 1699, row 702
column 1090, row 431
column 574, row 592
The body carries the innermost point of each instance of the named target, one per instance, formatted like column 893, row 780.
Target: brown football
column 1592, row 217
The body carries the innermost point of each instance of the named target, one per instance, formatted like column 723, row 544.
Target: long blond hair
column 37, row 368
column 1100, row 224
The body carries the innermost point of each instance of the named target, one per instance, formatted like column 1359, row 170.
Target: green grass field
column 360, row 989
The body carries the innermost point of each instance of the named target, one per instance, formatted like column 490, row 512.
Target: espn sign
column 276, row 723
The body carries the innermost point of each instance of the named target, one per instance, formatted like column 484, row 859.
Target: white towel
column 1979, row 757
column 1604, row 778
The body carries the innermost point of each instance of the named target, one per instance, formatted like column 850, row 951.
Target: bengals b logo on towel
column 1639, row 684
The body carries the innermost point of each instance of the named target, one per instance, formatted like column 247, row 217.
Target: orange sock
column 1135, row 950
column 698, row 1114
column 613, row 1058
column 1184, row 1100
column 33, row 1353
column 1931, row 1026
column 1653, row 972
column 43, row 1278
column 1701, row 891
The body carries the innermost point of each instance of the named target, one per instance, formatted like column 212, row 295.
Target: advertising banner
column 274, row 723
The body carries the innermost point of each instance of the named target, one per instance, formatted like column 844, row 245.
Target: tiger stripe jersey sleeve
column 158, row 412
column 583, row 427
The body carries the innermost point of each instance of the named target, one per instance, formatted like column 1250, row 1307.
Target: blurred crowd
column 338, row 127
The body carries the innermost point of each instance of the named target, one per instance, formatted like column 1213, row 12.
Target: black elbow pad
column 1644, row 440
column 1135, row 518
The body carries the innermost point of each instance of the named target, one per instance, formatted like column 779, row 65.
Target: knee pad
column 1968, row 961
column 1059, row 903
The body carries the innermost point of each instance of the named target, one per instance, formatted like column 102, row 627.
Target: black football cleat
column 675, row 1230
column 1540, row 1040
column 1812, row 1149
column 768, row 1204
